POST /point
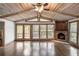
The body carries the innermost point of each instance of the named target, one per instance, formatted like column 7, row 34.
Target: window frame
column 72, row 43
column 31, row 25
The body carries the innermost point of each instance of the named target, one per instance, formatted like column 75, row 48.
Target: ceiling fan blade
column 46, row 9
column 45, row 4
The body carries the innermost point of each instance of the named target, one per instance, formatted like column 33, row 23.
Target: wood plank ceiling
column 54, row 11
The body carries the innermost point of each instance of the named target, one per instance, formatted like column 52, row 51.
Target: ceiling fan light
column 36, row 8
column 41, row 8
column 45, row 4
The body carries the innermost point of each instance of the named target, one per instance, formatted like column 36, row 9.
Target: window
column 50, row 31
column 42, row 31
column 73, row 32
column 33, row 20
column 37, row 20
column 35, row 31
column 19, row 31
column 43, row 20
column 27, row 31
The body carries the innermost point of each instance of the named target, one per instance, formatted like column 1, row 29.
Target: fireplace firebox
column 61, row 36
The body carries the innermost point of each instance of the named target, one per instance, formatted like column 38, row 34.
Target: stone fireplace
column 61, row 30
column 61, row 35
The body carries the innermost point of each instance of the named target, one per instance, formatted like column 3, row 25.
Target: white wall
column 9, row 31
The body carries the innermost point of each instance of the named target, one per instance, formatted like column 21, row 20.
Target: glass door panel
column 35, row 31
column 19, row 31
column 50, row 31
column 42, row 31
column 27, row 31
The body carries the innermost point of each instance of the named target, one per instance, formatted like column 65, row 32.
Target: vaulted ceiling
column 54, row 11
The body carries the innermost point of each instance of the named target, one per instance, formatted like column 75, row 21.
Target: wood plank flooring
column 38, row 48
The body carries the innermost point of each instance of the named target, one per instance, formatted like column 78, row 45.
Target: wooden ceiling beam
column 26, row 19
column 46, row 18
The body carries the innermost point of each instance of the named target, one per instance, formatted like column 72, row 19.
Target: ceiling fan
column 39, row 7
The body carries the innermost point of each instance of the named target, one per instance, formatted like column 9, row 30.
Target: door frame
column 3, row 34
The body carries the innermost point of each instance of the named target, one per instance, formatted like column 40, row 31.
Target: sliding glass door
column 43, row 32
column 19, row 31
column 50, row 31
column 35, row 31
column 73, row 32
column 26, row 31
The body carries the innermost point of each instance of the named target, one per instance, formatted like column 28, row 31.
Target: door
column 19, row 33
column 26, row 32
column 35, row 31
column 0, row 37
column 1, row 33
column 50, row 30
column 43, row 32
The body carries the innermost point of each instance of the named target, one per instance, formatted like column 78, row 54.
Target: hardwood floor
column 38, row 48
